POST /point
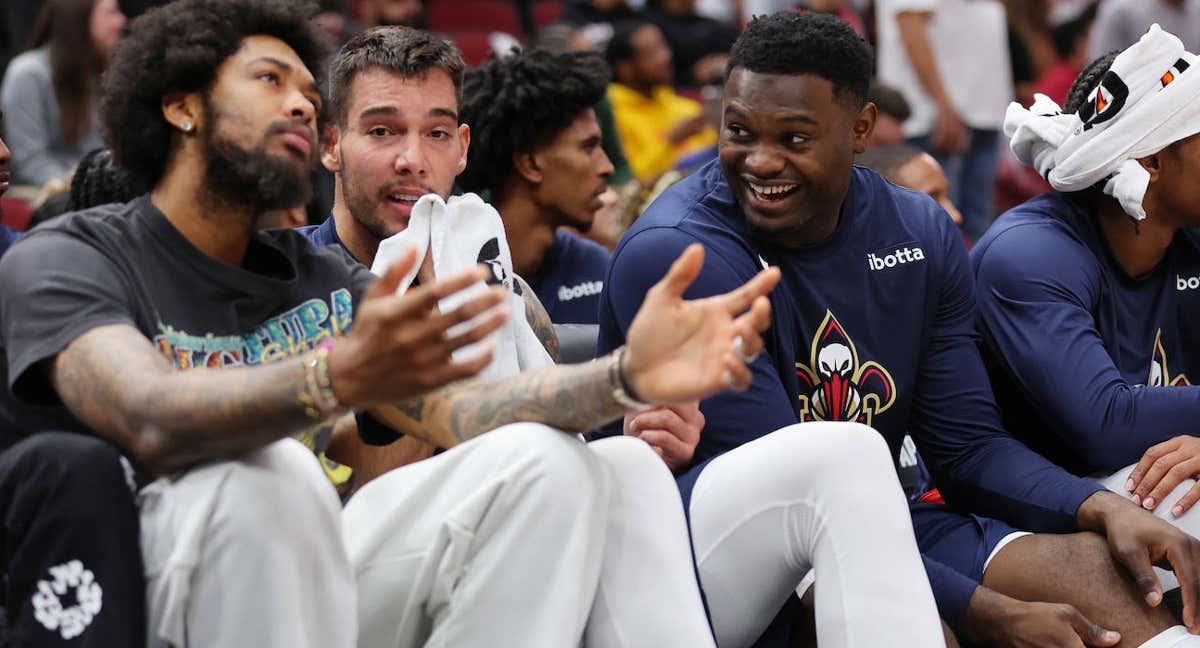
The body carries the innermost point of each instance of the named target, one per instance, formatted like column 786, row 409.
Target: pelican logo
column 839, row 387
column 489, row 255
column 1160, row 373
column 1105, row 101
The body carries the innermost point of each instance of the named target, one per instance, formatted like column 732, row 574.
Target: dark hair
column 807, row 42
column 62, row 26
column 887, row 160
column 620, row 47
column 407, row 51
column 99, row 181
column 1089, row 78
column 178, row 48
column 888, row 100
column 517, row 104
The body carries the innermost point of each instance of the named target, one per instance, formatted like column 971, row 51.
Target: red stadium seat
column 460, row 16
column 546, row 12
column 15, row 213
column 474, row 45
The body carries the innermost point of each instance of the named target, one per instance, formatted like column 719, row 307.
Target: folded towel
column 1149, row 99
column 459, row 234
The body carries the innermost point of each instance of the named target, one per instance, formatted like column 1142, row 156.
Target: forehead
column 780, row 95
column 922, row 172
column 259, row 48
column 584, row 126
column 379, row 88
column 646, row 37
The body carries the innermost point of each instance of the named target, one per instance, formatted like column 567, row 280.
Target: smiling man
column 872, row 325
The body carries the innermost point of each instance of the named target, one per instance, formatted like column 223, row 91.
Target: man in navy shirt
column 873, row 322
column 537, row 150
column 1090, row 315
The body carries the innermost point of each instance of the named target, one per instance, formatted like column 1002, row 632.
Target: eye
column 269, row 77
column 439, row 134
column 736, row 130
column 797, row 139
column 379, row 131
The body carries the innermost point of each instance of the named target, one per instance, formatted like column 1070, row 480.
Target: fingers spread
column 1154, row 475
column 682, row 273
column 1174, row 477
column 739, row 300
column 390, row 281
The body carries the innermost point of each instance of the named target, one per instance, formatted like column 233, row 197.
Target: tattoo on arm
column 539, row 321
column 572, row 398
column 116, row 383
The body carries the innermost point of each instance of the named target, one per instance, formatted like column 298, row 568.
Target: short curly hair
column 807, row 42
column 404, row 50
column 178, row 48
column 518, row 104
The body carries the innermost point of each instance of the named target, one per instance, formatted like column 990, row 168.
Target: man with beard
column 395, row 136
column 537, row 151
column 872, row 322
column 211, row 103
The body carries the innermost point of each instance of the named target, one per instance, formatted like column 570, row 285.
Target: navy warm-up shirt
column 571, row 279
column 875, row 324
column 1091, row 366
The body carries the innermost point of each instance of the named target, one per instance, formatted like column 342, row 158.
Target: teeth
column 403, row 198
column 771, row 190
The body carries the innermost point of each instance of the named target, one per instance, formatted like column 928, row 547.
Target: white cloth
column 460, row 234
column 525, row 536
column 969, row 39
column 1173, row 637
column 247, row 553
column 1147, row 101
column 816, row 495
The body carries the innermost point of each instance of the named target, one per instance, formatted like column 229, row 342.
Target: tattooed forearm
column 539, row 321
column 572, row 398
column 115, row 382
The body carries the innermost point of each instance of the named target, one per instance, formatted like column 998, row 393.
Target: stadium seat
column 15, row 213
column 475, row 45
column 461, row 16
column 546, row 12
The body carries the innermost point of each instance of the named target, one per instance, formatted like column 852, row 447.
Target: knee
column 554, row 466
column 84, row 470
column 279, row 486
column 632, row 457
column 817, row 455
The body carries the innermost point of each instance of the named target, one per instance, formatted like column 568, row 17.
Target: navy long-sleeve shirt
column 875, row 324
column 1090, row 365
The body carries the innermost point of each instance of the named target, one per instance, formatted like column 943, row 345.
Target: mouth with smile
column 402, row 199
column 770, row 197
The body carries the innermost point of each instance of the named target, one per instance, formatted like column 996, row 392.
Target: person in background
column 50, row 92
column 537, row 152
column 893, row 111
column 1119, row 23
column 1071, row 44
column 699, row 45
column 657, row 126
column 407, row 13
column 910, row 167
column 7, row 234
column 950, row 59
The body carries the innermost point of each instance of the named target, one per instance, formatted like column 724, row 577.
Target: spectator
column 537, row 152
column 657, row 126
column 1098, row 277
column 699, row 45
column 1071, row 44
column 910, row 167
column 873, row 323
column 596, row 19
column 1119, row 23
column 7, row 235
column 408, row 13
column 893, row 112
column 49, row 93
column 950, row 59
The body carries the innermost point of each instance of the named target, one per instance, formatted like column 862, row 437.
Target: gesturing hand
column 997, row 620
column 680, row 350
column 399, row 347
column 1161, row 469
column 672, row 430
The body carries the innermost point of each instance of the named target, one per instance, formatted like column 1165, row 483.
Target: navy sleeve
column 951, row 590
column 1036, row 294
column 976, row 464
column 640, row 262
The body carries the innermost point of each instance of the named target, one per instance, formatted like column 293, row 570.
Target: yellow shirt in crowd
column 643, row 123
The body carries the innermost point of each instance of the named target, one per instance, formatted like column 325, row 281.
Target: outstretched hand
column 683, row 350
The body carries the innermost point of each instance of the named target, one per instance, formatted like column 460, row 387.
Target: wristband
column 621, row 392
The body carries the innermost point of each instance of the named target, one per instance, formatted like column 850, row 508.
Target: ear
column 183, row 110
column 331, row 152
column 464, row 139
column 1153, row 165
column 527, row 166
column 864, row 125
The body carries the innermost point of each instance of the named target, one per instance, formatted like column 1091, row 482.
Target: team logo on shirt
column 840, row 387
column 1105, row 101
column 1160, row 373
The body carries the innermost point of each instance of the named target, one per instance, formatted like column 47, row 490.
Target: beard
column 253, row 177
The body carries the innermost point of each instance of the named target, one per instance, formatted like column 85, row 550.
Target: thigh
column 964, row 543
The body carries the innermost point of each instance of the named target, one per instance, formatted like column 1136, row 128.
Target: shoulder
column 895, row 214
column 33, row 63
column 583, row 251
column 1034, row 243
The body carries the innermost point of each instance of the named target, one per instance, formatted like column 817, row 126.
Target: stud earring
column 186, row 126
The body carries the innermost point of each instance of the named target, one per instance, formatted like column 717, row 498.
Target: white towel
column 459, row 234
column 1147, row 101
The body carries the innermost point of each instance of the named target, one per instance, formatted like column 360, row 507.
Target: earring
column 186, row 126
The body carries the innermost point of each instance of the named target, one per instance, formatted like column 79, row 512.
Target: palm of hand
column 680, row 349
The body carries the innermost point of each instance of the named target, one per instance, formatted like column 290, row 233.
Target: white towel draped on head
column 1147, row 101
column 460, row 234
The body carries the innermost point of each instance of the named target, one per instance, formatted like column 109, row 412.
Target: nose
column 606, row 166
column 5, row 154
column 763, row 162
column 410, row 159
column 300, row 108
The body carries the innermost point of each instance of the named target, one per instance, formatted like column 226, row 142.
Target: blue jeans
column 972, row 177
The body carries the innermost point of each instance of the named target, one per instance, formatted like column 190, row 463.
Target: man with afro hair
column 872, row 325
column 537, row 151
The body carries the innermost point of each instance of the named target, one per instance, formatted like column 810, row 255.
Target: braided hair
column 1087, row 81
column 99, row 181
